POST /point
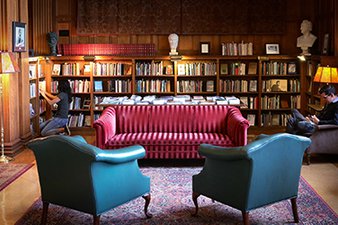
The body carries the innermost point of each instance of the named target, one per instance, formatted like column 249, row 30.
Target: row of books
column 249, row 102
column 153, row 85
column 232, row 48
column 77, row 86
column 278, row 102
column 111, row 69
column 33, row 74
column 107, row 49
column 33, row 88
column 238, row 85
column 69, row 69
column 166, row 100
column 118, row 86
column 79, row 120
column 273, row 119
column 277, row 85
column 42, row 107
column 197, row 69
column 79, row 103
column 268, row 119
column 238, row 68
column 153, row 68
column 278, row 68
column 195, row 86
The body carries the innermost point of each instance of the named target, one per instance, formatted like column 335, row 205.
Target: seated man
column 298, row 124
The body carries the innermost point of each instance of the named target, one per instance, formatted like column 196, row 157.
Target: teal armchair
column 80, row 176
column 263, row 172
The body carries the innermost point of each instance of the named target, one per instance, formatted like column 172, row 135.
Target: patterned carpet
column 9, row 172
column 172, row 204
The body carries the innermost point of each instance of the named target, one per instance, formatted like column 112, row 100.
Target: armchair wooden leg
column 308, row 157
column 96, row 219
column 147, row 198
column 294, row 209
column 195, row 195
column 245, row 216
column 44, row 212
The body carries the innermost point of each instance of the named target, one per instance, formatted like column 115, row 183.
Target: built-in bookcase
column 37, row 80
column 268, row 86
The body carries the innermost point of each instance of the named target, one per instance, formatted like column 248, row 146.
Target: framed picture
column 19, row 37
column 272, row 49
column 205, row 47
column 277, row 85
column 86, row 104
column 292, row 68
column 325, row 50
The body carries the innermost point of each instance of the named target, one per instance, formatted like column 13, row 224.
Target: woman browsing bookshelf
column 58, row 122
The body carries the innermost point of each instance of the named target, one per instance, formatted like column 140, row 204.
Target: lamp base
column 5, row 159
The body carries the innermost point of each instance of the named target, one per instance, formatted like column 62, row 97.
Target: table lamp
column 8, row 65
column 326, row 75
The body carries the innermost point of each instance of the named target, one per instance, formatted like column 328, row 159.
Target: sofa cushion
column 171, row 118
column 172, row 145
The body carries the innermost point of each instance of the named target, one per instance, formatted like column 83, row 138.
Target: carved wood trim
column 180, row 16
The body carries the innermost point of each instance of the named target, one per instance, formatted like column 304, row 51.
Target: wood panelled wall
column 65, row 13
column 15, row 86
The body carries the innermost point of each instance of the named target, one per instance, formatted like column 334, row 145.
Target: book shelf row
column 260, row 82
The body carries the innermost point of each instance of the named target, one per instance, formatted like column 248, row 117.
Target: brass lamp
column 326, row 75
column 7, row 65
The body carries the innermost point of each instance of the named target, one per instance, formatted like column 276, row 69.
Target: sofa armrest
column 237, row 126
column 327, row 127
column 105, row 127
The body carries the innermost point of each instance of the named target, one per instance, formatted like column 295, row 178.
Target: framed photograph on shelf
column 86, row 104
column 292, row 68
column 19, row 37
column 325, row 50
column 278, row 85
column 272, row 49
column 205, row 48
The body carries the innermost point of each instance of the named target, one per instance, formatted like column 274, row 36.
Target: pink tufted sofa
column 170, row 131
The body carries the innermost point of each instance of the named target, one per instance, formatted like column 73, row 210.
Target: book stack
column 107, row 49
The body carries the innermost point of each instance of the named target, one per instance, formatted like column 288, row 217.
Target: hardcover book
column 252, row 68
column 224, row 69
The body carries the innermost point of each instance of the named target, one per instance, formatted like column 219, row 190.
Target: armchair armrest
column 121, row 155
column 105, row 127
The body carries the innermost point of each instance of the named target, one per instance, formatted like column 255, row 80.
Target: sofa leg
column 245, row 216
column 195, row 195
column 147, row 198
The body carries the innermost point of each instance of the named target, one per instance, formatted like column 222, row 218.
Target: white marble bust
column 307, row 39
column 173, row 43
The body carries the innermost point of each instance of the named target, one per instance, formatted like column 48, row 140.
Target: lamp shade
column 326, row 75
column 8, row 63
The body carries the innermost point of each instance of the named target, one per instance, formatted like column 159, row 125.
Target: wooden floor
column 322, row 175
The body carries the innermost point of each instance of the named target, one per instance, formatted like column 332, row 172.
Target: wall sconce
column 7, row 65
column 326, row 75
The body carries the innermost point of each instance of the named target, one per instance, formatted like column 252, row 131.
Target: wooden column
column 15, row 86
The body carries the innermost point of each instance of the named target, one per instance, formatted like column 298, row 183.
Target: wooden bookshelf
column 246, row 77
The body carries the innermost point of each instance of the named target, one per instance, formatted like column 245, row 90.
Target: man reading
column 298, row 124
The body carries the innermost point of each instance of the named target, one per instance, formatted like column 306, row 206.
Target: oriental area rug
column 171, row 203
column 9, row 172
